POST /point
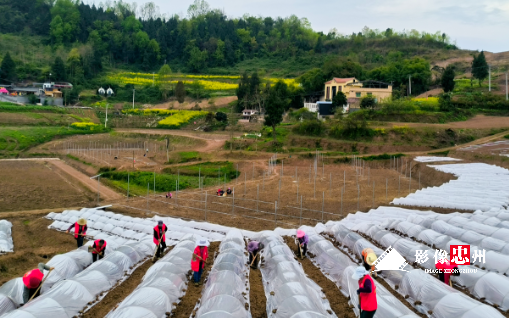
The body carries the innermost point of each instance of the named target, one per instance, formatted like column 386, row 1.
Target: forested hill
column 124, row 35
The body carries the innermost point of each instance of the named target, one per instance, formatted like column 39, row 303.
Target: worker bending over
column 80, row 230
column 32, row 281
column 160, row 237
column 229, row 191
column 303, row 242
column 220, row 192
column 367, row 292
column 254, row 247
column 199, row 259
column 98, row 250
column 445, row 270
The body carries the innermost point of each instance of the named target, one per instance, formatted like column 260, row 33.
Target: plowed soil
column 193, row 294
column 30, row 185
column 338, row 302
column 119, row 293
column 257, row 294
column 34, row 243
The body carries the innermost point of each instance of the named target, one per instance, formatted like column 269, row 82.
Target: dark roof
column 25, row 89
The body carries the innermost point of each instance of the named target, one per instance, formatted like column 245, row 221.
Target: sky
column 472, row 24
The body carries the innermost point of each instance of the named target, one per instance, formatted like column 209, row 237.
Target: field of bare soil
column 28, row 185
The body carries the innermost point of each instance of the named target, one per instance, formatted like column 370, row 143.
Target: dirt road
column 478, row 122
column 214, row 141
column 106, row 193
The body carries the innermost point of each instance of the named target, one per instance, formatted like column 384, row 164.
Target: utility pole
column 409, row 85
column 133, row 96
column 106, row 120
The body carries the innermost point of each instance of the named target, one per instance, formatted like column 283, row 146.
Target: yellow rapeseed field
column 209, row 82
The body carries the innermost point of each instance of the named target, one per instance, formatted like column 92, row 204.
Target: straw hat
column 202, row 242
column 359, row 273
column 82, row 221
column 371, row 258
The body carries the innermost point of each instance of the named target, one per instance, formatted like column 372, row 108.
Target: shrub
column 220, row 116
column 310, row 128
column 87, row 126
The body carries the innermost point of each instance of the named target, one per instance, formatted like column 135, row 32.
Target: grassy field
column 15, row 140
column 32, row 115
column 188, row 177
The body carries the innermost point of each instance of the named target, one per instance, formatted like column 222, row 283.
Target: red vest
column 195, row 262
column 368, row 300
column 98, row 249
column 77, row 230
column 156, row 240
column 34, row 273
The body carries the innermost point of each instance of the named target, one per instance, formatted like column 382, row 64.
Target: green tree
column 198, row 8
column 180, row 92
column 339, row 100
column 197, row 60
column 277, row 102
column 222, row 117
column 243, row 92
column 368, row 102
column 448, row 79
column 58, row 69
column 163, row 78
column 8, row 69
column 312, row 81
column 480, row 68
column 70, row 19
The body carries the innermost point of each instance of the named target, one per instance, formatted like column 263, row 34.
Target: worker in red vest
column 80, row 230
column 160, row 229
column 199, row 259
column 98, row 250
column 366, row 292
column 32, row 280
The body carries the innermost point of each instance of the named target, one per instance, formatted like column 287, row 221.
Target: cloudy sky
column 473, row 24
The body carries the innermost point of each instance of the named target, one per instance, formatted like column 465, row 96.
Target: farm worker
column 32, row 280
column 303, row 241
column 98, row 250
column 253, row 248
column 366, row 292
column 80, row 230
column 369, row 258
column 229, row 191
column 168, row 195
column 160, row 230
column 220, row 192
column 199, row 259
column 446, row 269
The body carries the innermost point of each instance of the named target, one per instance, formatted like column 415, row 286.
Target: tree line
column 123, row 34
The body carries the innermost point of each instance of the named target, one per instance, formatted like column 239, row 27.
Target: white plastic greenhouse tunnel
column 122, row 228
column 434, row 159
column 66, row 266
column 479, row 187
column 70, row 297
column 339, row 269
column 6, row 244
column 492, row 287
column 162, row 286
column 432, row 296
column 289, row 292
column 226, row 293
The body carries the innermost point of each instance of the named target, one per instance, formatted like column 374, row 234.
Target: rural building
column 325, row 110
column 248, row 115
column 336, row 85
column 50, row 92
column 379, row 90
